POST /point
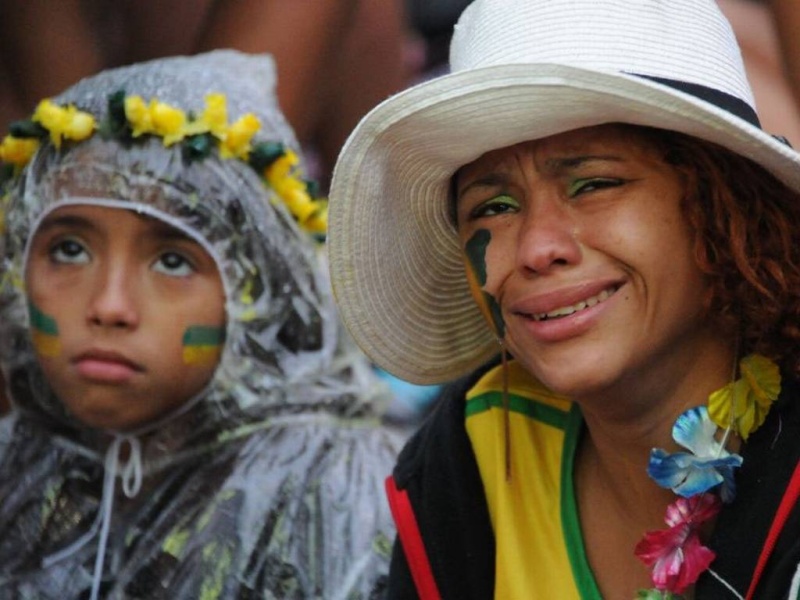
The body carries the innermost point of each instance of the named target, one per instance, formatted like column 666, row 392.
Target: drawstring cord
column 130, row 472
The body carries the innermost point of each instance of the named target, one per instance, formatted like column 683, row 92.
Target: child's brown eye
column 174, row 264
column 69, row 251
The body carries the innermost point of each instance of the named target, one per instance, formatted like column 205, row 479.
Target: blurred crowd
column 336, row 58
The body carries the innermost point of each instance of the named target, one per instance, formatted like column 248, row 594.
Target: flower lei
column 703, row 477
column 130, row 117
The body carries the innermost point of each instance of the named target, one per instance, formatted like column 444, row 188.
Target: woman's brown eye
column 496, row 206
column 582, row 186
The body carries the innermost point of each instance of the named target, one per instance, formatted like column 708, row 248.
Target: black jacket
column 438, row 471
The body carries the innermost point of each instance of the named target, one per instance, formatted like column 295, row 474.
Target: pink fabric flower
column 676, row 555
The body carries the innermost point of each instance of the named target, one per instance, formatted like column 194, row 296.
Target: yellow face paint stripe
column 44, row 332
column 201, row 355
column 202, row 345
column 46, row 345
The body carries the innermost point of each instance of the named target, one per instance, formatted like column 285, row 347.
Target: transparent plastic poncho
column 269, row 483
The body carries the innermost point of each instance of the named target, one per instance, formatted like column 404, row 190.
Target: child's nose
column 113, row 300
column 547, row 239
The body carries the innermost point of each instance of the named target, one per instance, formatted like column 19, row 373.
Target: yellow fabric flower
column 63, row 122
column 281, row 167
column 138, row 115
column 744, row 403
column 213, row 119
column 18, row 151
column 168, row 122
column 236, row 142
column 157, row 118
column 311, row 214
column 318, row 222
column 51, row 117
column 80, row 126
column 297, row 200
column 215, row 114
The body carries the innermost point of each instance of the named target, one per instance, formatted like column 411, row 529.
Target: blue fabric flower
column 706, row 466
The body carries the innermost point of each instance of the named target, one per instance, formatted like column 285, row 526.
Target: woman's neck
column 617, row 500
column 637, row 412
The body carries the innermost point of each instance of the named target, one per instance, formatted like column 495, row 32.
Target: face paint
column 475, row 253
column 44, row 332
column 202, row 345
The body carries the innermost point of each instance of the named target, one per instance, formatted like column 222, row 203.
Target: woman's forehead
column 612, row 141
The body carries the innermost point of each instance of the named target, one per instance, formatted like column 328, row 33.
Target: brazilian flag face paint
column 475, row 253
column 202, row 345
column 44, row 332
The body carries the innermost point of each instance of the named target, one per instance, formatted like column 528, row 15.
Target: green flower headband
column 130, row 117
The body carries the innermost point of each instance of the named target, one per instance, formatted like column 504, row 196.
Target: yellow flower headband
column 133, row 117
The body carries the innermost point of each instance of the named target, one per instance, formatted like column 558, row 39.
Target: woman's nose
column 547, row 239
column 113, row 301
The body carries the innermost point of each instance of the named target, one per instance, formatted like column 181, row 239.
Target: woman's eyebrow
column 565, row 163
column 551, row 165
column 488, row 180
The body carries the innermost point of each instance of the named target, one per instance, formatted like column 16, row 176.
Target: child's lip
column 106, row 366
column 109, row 356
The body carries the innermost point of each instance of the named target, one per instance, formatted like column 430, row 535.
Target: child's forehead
column 80, row 214
column 110, row 220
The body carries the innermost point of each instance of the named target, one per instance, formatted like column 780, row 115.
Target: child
column 167, row 323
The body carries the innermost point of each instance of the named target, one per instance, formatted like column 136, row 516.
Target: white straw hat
column 521, row 70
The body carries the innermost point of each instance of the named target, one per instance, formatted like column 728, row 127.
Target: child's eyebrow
column 163, row 231
column 158, row 230
column 67, row 221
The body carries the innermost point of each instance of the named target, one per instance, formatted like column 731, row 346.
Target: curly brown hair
column 747, row 240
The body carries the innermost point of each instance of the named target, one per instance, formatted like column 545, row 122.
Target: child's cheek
column 475, row 257
column 44, row 333
column 202, row 345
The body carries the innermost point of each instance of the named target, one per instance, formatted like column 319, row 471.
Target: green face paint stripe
column 199, row 335
column 476, row 253
column 475, row 250
column 42, row 322
column 497, row 315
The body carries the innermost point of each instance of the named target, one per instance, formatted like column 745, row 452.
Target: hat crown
column 682, row 40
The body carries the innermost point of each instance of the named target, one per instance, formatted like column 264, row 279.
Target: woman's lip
column 548, row 302
column 569, row 326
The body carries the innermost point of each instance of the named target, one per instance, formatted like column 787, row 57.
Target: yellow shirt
column 540, row 551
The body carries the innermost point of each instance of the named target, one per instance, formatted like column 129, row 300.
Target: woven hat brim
column 395, row 260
